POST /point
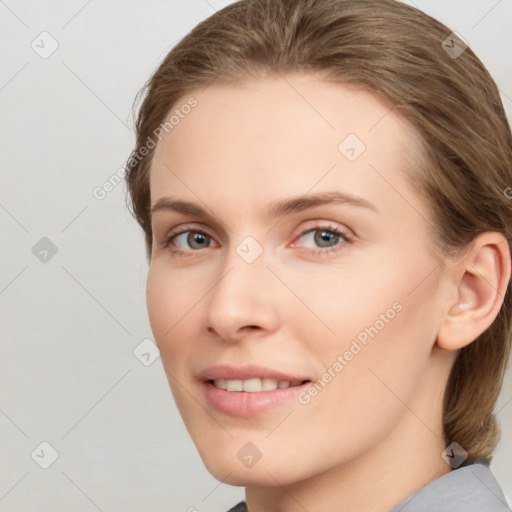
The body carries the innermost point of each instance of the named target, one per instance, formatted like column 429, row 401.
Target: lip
column 228, row 372
column 242, row 403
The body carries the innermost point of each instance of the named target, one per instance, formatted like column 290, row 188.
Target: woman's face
column 289, row 245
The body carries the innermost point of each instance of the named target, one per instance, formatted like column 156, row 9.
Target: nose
column 243, row 300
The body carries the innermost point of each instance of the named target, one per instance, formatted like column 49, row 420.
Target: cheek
column 170, row 304
column 170, row 301
column 361, row 399
column 384, row 353
column 375, row 333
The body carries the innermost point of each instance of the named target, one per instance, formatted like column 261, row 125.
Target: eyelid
column 183, row 228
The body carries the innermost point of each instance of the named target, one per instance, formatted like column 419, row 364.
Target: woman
column 322, row 187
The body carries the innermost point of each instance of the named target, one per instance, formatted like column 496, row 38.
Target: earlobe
column 481, row 280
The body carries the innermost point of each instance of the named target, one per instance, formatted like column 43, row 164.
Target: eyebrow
column 275, row 209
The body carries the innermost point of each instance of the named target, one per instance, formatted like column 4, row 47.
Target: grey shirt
column 470, row 488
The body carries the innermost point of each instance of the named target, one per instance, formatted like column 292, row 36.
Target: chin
column 243, row 477
column 267, row 472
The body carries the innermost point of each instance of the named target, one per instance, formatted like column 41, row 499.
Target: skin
column 297, row 306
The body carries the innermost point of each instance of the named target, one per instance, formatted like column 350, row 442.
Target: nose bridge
column 243, row 295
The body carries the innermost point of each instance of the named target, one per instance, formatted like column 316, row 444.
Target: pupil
column 198, row 238
column 322, row 238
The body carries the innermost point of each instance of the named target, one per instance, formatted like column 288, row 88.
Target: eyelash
column 346, row 238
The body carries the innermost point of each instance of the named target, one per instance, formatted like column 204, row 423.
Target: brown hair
column 397, row 53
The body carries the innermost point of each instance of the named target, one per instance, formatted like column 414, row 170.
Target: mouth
column 249, row 390
column 251, row 397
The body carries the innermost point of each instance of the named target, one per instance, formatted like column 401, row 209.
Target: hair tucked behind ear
column 451, row 101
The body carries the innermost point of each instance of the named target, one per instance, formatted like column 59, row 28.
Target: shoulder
column 472, row 488
column 240, row 507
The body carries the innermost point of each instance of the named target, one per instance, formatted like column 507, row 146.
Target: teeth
column 251, row 385
column 234, row 385
column 254, row 385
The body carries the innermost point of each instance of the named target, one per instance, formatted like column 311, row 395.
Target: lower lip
column 243, row 403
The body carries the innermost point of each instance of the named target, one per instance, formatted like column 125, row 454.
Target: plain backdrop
column 73, row 269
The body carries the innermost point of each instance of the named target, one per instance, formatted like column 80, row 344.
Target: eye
column 187, row 241
column 193, row 239
column 324, row 239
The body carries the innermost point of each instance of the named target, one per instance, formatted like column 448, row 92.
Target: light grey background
column 69, row 325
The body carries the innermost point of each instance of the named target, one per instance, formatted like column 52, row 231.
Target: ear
column 480, row 279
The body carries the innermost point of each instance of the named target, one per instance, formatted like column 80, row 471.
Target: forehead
column 287, row 133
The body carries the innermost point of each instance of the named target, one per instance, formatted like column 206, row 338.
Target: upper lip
column 228, row 372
